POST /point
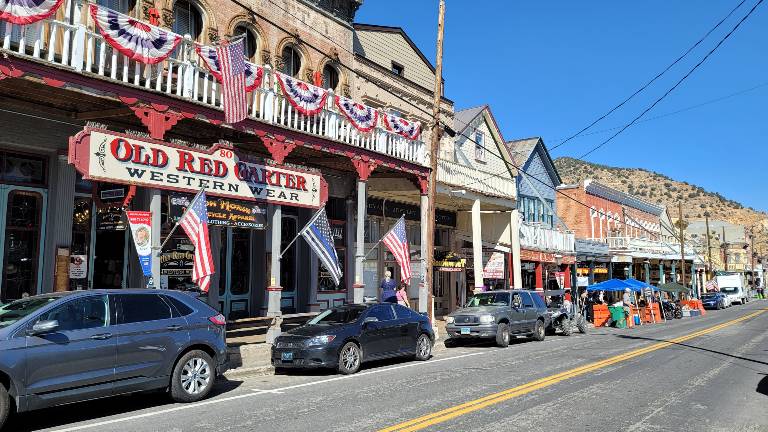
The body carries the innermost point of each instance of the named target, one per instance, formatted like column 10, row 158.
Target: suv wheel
column 5, row 405
column 502, row 335
column 423, row 347
column 350, row 358
column 538, row 331
column 193, row 377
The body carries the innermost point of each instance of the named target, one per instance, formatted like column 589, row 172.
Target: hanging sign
column 141, row 230
column 118, row 158
column 449, row 262
column 222, row 211
column 494, row 269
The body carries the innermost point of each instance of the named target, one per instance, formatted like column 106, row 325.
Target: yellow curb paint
column 492, row 399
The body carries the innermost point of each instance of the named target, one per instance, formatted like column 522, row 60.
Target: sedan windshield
column 489, row 299
column 17, row 310
column 337, row 316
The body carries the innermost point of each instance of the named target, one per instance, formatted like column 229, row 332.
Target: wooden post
column 682, row 242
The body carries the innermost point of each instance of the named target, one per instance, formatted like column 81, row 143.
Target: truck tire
column 502, row 335
column 566, row 327
column 581, row 324
column 538, row 331
column 5, row 405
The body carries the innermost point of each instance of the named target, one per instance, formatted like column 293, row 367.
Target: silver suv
column 68, row 347
column 499, row 315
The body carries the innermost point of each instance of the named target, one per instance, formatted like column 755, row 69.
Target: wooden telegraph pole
column 682, row 242
column 710, row 270
column 434, row 148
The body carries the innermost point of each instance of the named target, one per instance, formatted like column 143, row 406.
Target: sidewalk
column 249, row 354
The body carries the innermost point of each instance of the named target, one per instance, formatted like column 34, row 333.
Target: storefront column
column 647, row 271
column 477, row 245
column 155, row 206
column 592, row 272
column 514, row 229
column 60, row 219
column 610, row 270
column 662, row 277
column 423, row 288
column 539, row 276
column 274, row 289
column 694, row 285
column 674, row 271
column 359, row 286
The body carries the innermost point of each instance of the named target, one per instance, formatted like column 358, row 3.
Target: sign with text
column 118, row 158
column 141, row 230
column 222, row 211
column 494, row 268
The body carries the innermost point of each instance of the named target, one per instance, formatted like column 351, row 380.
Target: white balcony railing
column 454, row 174
column 80, row 48
column 633, row 244
column 538, row 237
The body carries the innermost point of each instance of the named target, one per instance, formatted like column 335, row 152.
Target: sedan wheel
column 349, row 358
column 423, row 348
column 193, row 377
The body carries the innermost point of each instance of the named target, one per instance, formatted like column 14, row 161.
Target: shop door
column 22, row 221
column 288, row 266
column 442, row 282
column 110, row 260
column 235, row 286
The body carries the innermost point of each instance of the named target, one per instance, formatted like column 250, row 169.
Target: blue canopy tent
column 611, row 285
column 638, row 285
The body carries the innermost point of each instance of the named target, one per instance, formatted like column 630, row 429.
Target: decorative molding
column 266, row 57
column 157, row 118
column 168, row 17
column 213, row 34
column 277, row 147
column 364, row 166
column 309, row 75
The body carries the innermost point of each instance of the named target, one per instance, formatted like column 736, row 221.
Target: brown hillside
column 660, row 189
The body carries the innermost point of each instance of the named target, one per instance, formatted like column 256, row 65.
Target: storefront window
column 80, row 248
column 22, row 239
column 241, row 268
column 19, row 169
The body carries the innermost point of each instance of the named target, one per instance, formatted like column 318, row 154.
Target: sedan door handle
column 174, row 327
column 102, row 336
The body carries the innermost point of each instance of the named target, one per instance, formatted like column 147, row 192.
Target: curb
column 249, row 371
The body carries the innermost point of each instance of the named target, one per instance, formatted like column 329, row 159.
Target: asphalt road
column 705, row 374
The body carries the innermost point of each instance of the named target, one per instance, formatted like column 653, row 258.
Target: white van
column 732, row 286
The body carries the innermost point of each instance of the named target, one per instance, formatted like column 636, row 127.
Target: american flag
column 318, row 234
column 232, row 61
column 195, row 224
column 712, row 285
column 397, row 243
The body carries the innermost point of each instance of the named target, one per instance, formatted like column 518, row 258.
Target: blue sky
column 549, row 68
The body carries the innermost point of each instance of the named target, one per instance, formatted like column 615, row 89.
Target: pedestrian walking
column 402, row 295
column 388, row 287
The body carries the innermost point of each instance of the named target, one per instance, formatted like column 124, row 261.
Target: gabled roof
column 521, row 150
column 462, row 119
column 399, row 30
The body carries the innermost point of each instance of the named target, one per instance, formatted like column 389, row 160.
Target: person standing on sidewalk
column 402, row 295
column 388, row 287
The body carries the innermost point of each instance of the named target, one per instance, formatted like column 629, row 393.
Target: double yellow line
column 478, row 404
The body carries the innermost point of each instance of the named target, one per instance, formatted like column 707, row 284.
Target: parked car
column 73, row 346
column 499, row 315
column 345, row 337
column 715, row 300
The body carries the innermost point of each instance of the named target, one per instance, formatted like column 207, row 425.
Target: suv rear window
column 181, row 308
column 527, row 301
column 142, row 307
column 538, row 301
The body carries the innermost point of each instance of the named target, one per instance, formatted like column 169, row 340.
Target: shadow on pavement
column 98, row 409
column 694, row 348
column 762, row 386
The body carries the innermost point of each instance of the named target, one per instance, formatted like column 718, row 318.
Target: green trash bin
column 617, row 316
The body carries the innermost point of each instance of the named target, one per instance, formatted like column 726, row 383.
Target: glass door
column 288, row 265
column 22, row 221
column 235, row 288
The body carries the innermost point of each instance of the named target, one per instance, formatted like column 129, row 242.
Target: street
column 692, row 374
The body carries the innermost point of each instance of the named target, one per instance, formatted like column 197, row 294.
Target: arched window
column 330, row 77
column 291, row 61
column 187, row 19
column 122, row 6
column 251, row 42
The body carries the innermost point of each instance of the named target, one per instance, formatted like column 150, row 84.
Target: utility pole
column 752, row 265
column 725, row 251
column 682, row 242
column 434, row 148
column 711, row 270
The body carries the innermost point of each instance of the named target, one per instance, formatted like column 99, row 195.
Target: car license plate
column 286, row 356
column 465, row 330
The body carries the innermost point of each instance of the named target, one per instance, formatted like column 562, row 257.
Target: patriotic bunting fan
column 306, row 98
column 253, row 74
column 139, row 41
column 24, row 12
column 401, row 126
column 362, row 117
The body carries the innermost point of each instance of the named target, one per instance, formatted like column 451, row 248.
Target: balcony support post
column 647, row 271
column 674, row 271
column 662, row 276
column 275, row 290
column 477, row 245
column 514, row 229
column 539, row 276
column 592, row 272
column 359, row 285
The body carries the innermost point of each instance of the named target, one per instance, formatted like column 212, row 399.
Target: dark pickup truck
column 499, row 315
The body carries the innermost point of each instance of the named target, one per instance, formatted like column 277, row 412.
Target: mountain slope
column 660, row 189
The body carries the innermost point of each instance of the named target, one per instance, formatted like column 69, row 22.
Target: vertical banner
column 141, row 230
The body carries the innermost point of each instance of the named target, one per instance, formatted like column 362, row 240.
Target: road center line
column 258, row 392
column 492, row 399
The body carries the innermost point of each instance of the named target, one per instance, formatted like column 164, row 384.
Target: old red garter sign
column 118, row 158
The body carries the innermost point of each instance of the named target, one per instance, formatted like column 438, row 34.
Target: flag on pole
column 397, row 243
column 232, row 61
column 318, row 234
column 195, row 224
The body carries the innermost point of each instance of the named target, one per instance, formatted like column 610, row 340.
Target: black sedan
column 344, row 337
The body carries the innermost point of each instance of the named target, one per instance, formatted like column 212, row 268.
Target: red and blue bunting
column 362, row 117
column 401, row 126
column 306, row 98
column 23, row 12
column 253, row 74
column 139, row 41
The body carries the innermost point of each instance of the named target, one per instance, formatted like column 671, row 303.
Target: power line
column 680, row 81
column 638, row 91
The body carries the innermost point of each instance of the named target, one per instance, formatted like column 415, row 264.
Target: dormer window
column 479, row 146
column 398, row 69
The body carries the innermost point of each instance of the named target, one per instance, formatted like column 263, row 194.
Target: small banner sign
column 123, row 159
column 141, row 230
column 494, row 269
column 222, row 211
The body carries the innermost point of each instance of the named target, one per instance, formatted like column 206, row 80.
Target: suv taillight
column 218, row 320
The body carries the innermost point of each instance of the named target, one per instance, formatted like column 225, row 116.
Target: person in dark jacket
column 388, row 288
